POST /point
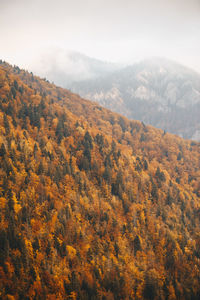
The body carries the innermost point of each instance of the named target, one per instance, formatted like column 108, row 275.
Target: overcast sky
column 112, row 30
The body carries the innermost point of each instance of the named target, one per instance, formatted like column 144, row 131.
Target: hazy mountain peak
column 66, row 66
column 162, row 64
column 157, row 91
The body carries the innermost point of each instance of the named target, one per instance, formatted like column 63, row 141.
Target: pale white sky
column 111, row 30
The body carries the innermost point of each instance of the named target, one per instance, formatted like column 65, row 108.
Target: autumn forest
column 92, row 205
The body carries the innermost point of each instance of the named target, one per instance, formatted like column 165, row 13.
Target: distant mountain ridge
column 156, row 91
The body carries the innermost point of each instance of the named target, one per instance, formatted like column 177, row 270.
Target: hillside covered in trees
column 92, row 205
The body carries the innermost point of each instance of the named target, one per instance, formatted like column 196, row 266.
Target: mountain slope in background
column 92, row 205
column 156, row 91
column 64, row 67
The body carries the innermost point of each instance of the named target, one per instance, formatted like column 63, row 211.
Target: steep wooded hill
column 92, row 205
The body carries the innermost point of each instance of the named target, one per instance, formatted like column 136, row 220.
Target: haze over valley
column 156, row 91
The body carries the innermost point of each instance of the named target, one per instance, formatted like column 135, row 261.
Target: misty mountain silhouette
column 156, row 91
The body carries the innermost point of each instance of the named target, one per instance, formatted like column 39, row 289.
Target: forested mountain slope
column 156, row 91
column 92, row 205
